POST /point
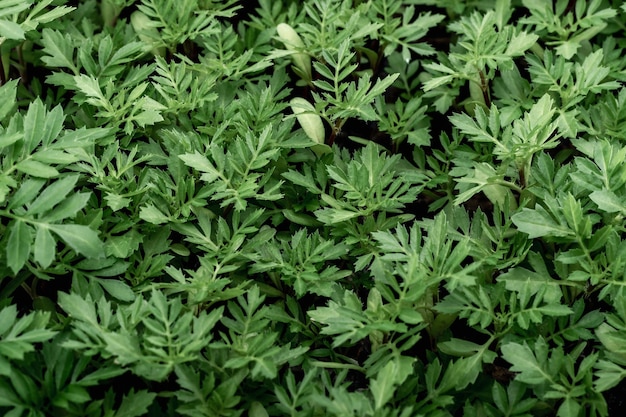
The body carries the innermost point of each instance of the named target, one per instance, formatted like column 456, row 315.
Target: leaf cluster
column 383, row 208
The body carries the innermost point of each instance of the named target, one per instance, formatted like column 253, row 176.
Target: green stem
column 478, row 92
column 337, row 365
column 336, row 129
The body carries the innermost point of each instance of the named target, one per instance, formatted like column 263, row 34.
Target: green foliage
column 152, row 336
column 38, row 191
column 486, row 43
column 234, row 175
column 20, row 335
column 567, row 27
column 380, row 208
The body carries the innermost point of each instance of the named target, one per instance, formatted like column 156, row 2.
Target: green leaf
column 7, row 140
column 612, row 339
column 608, row 201
column 394, row 373
column 521, row 279
column 68, row 207
column 42, row 126
column 197, row 161
column 11, row 30
column 531, row 370
column 293, row 42
column 153, row 215
column 410, row 316
column 467, row 369
column 123, row 346
column 18, row 245
column 52, row 156
column 383, row 387
column 59, row 49
column 36, row 169
column 150, row 112
column 53, row 195
column 72, row 393
column 538, row 223
column 333, row 216
column 459, row 347
column 568, row 49
column 520, row 43
column 79, row 308
column 44, row 248
column 8, row 315
column 18, row 336
column 135, row 404
column 257, row 410
column 308, row 118
column 117, row 289
column 82, row 239
column 89, row 86
column 8, row 101
column 608, row 375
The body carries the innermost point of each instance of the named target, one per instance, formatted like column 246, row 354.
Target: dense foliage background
column 312, row 208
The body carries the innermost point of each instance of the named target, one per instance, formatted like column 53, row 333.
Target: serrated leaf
column 20, row 335
column 153, row 215
column 197, row 161
column 79, row 308
column 124, row 346
column 410, row 316
column 332, row 216
column 36, row 169
column 459, row 347
column 53, row 195
column 44, row 248
column 82, row 239
column 608, row 201
column 135, row 404
column 8, row 315
column 520, row 279
column 89, row 86
column 8, row 101
column 150, row 112
column 82, row 137
column 567, row 49
column 613, row 340
column 11, row 30
column 122, row 246
column 608, row 375
column 465, row 370
column 383, row 386
column 569, row 408
column 18, row 245
column 40, row 125
column 10, row 139
column 52, row 156
column 68, row 207
column 26, row 193
column 59, row 49
column 392, row 375
column 116, row 201
column 519, row 43
column 525, row 362
column 537, row 223
column 118, row 289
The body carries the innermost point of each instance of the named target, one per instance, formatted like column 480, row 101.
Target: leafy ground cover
column 316, row 208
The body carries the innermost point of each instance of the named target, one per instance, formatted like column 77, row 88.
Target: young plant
column 185, row 230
